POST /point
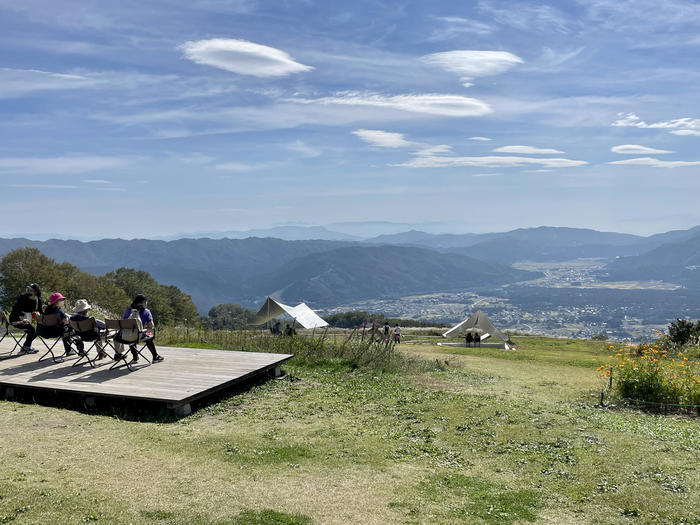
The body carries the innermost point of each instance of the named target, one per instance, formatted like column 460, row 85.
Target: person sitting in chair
column 25, row 308
column 80, row 313
column 138, row 308
column 63, row 330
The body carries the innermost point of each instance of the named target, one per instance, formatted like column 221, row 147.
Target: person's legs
column 31, row 334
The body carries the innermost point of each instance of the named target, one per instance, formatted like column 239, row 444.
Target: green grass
column 479, row 436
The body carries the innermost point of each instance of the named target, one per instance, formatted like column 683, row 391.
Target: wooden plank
column 186, row 374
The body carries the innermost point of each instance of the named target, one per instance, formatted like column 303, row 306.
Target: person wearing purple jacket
column 139, row 305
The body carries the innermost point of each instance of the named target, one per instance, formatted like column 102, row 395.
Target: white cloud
column 382, row 139
column 432, row 104
column 485, row 174
column 694, row 132
column 45, row 186
column 17, row 82
column 656, row 163
column 553, row 60
column 57, row 165
column 633, row 15
column 242, row 57
column 482, row 139
column 534, row 17
column 470, row 64
column 488, row 162
column 636, row 149
column 679, row 126
column 434, row 150
column 303, row 149
column 97, row 181
column 193, row 158
column 453, row 26
column 527, row 150
column 242, row 167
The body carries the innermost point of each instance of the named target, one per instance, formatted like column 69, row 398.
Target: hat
column 81, row 305
column 55, row 297
column 36, row 288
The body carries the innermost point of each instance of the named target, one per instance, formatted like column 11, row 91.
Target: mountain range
column 326, row 273
column 244, row 271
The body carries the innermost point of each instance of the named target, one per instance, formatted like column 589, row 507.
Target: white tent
column 479, row 321
column 301, row 313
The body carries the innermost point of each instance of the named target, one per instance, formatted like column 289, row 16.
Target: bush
column 654, row 373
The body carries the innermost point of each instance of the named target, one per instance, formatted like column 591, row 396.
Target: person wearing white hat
column 80, row 313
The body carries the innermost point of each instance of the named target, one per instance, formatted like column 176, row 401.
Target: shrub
column 654, row 373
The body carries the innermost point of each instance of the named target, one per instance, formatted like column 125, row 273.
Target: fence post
column 602, row 397
column 610, row 382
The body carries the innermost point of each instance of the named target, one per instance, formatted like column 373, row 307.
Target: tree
column 230, row 317
column 168, row 304
column 681, row 331
column 21, row 267
column 112, row 292
column 27, row 265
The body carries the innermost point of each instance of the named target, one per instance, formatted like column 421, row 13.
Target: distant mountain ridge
column 328, row 272
column 215, row 271
column 672, row 262
column 286, row 233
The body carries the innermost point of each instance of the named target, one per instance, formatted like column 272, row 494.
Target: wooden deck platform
column 187, row 375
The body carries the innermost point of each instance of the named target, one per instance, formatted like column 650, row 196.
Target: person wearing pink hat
column 56, row 303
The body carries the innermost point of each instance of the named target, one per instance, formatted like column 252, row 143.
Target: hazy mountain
column 287, row 233
column 534, row 244
column 431, row 240
column 672, row 262
column 211, row 271
column 244, row 271
column 357, row 273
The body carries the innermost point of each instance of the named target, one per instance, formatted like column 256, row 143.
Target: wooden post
column 602, row 397
column 610, row 382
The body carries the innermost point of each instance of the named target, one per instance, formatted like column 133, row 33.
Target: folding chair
column 50, row 327
column 88, row 331
column 129, row 334
column 7, row 329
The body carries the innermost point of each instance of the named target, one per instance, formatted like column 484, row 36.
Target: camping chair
column 129, row 333
column 7, row 329
column 88, row 331
column 49, row 326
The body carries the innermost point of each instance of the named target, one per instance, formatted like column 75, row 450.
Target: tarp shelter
column 479, row 321
column 301, row 313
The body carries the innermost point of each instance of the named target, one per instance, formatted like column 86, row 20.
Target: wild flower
column 653, row 372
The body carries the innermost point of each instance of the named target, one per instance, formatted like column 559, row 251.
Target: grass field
column 479, row 436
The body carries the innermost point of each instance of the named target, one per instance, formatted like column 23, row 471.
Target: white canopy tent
column 479, row 321
column 301, row 313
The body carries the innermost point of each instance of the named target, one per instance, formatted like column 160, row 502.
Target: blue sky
column 153, row 117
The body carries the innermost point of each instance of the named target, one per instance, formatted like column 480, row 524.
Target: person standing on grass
column 26, row 307
column 387, row 329
column 397, row 333
column 138, row 309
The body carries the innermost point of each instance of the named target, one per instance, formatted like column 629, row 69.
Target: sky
column 157, row 117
